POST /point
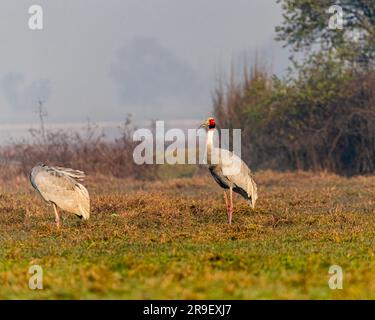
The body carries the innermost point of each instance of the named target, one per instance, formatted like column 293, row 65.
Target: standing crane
column 61, row 188
column 229, row 171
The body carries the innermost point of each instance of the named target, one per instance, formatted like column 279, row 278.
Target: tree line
column 321, row 115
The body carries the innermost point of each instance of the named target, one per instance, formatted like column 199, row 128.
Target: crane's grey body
column 229, row 171
column 60, row 187
column 241, row 181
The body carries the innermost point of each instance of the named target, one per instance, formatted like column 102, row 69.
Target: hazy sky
column 102, row 59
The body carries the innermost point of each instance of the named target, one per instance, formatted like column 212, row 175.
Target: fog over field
column 10, row 133
column 104, row 59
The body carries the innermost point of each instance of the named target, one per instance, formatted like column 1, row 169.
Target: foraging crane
column 60, row 187
column 229, row 171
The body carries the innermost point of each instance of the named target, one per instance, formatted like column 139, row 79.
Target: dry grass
column 169, row 239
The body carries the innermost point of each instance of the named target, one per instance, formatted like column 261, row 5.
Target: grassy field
column 170, row 239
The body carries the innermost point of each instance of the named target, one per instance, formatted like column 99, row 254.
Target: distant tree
column 321, row 117
column 305, row 27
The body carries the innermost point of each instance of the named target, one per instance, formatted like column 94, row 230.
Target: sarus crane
column 229, row 171
column 61, row 188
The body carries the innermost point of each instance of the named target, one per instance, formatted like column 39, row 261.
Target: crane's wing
column 58, row 186
column 232, row 171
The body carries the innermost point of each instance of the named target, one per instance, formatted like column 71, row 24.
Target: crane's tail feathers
column 252, row 192
column 84, row 207
column 75, row 174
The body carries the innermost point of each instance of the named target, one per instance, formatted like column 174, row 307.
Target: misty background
column 101, row 60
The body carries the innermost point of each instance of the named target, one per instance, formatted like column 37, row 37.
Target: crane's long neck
column 210, row 144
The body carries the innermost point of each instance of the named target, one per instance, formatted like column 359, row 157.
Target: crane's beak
column 203, row 125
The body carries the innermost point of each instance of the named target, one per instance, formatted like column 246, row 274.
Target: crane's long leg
column 57, row 217
column 230, row 206
column 226, row 202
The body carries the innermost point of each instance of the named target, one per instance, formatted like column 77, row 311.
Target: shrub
column 321, row 119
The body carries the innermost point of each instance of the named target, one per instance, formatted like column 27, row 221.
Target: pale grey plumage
column 60, row 187
column 229, row 171
column 241, row 181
